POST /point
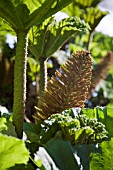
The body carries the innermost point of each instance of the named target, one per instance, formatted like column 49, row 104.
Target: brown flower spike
column 101, row 71
column 69, row 88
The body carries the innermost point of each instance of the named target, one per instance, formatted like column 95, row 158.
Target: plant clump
column 77, row 129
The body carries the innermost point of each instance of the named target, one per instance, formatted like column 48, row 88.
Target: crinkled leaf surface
column 103, row 114
column 79, row 130
column 12, row 151
column 103, row 161
column 50, row 36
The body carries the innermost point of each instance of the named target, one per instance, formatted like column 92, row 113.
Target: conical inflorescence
column 101, row 71
column 69, row 87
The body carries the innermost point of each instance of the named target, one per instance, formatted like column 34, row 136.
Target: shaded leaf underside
column 50, row 36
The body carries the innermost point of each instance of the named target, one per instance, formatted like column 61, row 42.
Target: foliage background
column 79, row 138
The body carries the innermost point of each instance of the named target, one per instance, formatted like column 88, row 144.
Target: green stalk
column 43, row 75
column 20, row 83
column 90, row 38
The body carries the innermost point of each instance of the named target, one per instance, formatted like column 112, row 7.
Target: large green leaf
column 47, row 9
column 32, row 5
column 50, row 36
column 12, row 12
column 7, row 11
column 103, row 161
column 62, row 153
column 12, row 151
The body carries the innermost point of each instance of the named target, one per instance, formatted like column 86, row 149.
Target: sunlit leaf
column 104, row 160
column 12, row 151
column 50, row 36
column 3, row 124
column 10, row 129
column 47, row 9
column 7, row 11
column 12, row 12
column 104, row 115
